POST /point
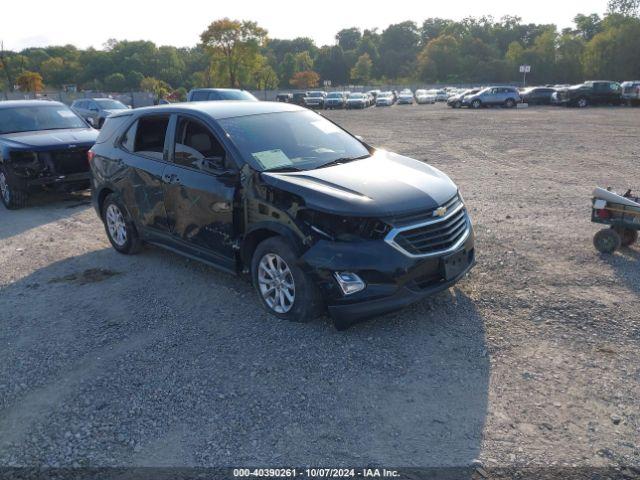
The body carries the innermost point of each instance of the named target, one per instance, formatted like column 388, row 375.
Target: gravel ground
column 155, row 360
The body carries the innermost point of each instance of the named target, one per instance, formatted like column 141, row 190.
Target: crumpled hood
column 50, row 138
column 382, row 185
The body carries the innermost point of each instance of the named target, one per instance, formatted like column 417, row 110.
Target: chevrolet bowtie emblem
column 440, row 212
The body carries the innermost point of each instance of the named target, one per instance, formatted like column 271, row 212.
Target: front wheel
column 607, row 241
column 476, row 104
column 13, row 197
column 582, row 102
column 121, row 232
column 510, row 103
column 284, row 289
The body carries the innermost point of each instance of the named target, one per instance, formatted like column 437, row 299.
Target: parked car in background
column 455, row 101
column 96, row 110
column 441, row 95
column 42, row 144
column 423, row 97
column 315, row 99
column 538, row 95
column 405, row 98
column 336, row 100
column 374, row 94
column 320, row 219
column 358, row 100
column 596, row 92
column 493, row 97
column 631, row 92
column 284, row 97
column 211, row 94
column 298, row 98
column 385, row 99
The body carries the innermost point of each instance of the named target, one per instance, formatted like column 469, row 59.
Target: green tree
column 349, row 38
column 361, row 71
column 588, row 26
column 116, row 82
column 235, row 46
column 399, row 45
column 30, row 82
column 627, row 8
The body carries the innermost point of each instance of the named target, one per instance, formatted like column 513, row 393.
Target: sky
column 85, row 24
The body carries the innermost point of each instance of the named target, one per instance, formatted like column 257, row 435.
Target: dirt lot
column 156, row 360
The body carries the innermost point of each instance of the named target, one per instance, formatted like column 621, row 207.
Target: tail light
column 90, row 156
column 604, row 214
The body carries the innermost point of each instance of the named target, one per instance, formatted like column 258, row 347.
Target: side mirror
column 90, row 121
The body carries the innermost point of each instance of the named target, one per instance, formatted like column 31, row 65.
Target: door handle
column 171, row 178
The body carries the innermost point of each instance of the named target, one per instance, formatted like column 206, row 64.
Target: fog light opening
column 349, row 282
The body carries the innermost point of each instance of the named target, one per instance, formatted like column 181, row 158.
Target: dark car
column 284, row 97
column 212, row 94
column 336, row 100
column 315, row 216
column 598, row 92
column 538, row 95
column 298, row 98
column 42, row 144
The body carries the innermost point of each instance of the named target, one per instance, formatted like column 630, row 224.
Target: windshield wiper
column 284, row 168
column 340, row 161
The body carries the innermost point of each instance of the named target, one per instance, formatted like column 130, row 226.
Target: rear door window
column 199, row 96
column 147, row 136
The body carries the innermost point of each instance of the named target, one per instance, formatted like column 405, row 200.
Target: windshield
column 315, row 94
column 356, row 95
column 334, row 95
column 109, row 104
column 41, row 117
column 235, row 95
column 290, row 140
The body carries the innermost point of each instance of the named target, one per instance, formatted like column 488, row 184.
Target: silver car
column 493, row 97
column 96, row 110
column 631, row 92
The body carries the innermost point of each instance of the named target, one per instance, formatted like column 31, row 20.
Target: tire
column 607, row 240
column 627, row 236
column 457, row 104
column 476, row 104
column 121, row 232
column 582, row 102
column 302, row 302
column 12, row 194
column 510, row 103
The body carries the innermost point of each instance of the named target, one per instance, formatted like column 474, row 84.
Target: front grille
column 422, row 215
column 66, row 162
column 435, row 237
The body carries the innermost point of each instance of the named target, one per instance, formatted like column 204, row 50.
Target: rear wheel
column 119, row 227
column 284, row 289
column 510, row 103
column 457, row 104
column 13, row 196
column 627, row 236
column 607, row 240
column 582, row 102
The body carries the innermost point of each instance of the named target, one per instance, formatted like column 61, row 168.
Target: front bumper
column 394, row 279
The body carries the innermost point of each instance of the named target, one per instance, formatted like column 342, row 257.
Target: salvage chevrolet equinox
column 317, row 218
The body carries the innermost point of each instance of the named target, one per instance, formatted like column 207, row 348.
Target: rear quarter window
column 111, row 126
column 200, row 96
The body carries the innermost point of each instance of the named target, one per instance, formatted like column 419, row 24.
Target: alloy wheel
column 116, row 225
column 276, row 283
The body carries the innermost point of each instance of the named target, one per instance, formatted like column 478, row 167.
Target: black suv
column 316, row 217
column 42, row 144
column 601, row 92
